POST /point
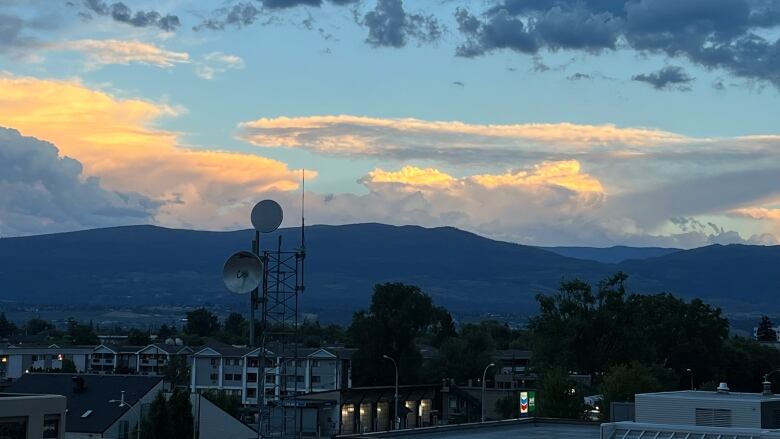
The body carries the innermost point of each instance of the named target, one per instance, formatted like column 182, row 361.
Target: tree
column 559, row 396
column 765, row 330
column 202, row 323
column 138, row 338
column 744, row 362
column 157, row 423
column 180, row 415
column 176, row 371
column 79, row 334
column 398, row 314
column 36, row 326
column 508, row 407
column 165, row 332
column 68, row 366
column 623, row 382
column 463, row 357
column 235, row 329
column 6, row 327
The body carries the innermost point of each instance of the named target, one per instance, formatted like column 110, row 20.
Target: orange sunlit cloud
column 116, row 140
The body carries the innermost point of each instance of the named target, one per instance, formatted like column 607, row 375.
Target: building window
column 124, row 429
column 315, row 363
column 213, row 362
column 316, row 379
column 251, row 377
column 269, row 379
column 13, row 428
column 228, row 377
column 51, row 427
column 237, row 376
column 251, row 392
column 299, row 378
column 213, row 378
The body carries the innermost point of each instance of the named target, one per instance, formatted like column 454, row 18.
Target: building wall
column 213, row 423
column 140, row 408
column 34, row 408
column 670, row 409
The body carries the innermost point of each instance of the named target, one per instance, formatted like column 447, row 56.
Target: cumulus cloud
column 115, row 139
column 41, row 191
column 667, row 78
column 217, row 62
column 723, row 34
column 102, row 52
column 244, row 14
column 120, row 12
column 389, row 25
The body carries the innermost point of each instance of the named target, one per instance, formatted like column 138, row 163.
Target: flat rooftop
column 529, row 430
column 711, row 395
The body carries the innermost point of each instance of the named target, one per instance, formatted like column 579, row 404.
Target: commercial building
column 701, row 414
column 29, row 416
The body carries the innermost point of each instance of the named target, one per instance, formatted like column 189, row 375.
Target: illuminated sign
column 527, row 403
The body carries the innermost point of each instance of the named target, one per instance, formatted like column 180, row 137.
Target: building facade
column 30, row 416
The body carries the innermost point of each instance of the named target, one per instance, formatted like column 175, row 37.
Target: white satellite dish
column 267, row 216
column 243, row 272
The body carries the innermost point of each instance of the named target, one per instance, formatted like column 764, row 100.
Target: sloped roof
column 99, row 389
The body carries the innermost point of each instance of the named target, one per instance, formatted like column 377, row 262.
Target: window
column 299, row 378
column 315, row 363
column 13, row 428
column 251, row 392
column 253, row 362
column 269, row 379
column 213, row 378
column 237, row 362
column 251, row 377
column 51, row 426
column 315, row 379
column 34, row 358
column 228, row 377
column 213, row 362
column 237, row 376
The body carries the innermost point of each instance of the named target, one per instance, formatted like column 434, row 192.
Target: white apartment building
column 235, row 370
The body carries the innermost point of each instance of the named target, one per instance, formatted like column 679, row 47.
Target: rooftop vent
column 86, row 414
column 723, row 388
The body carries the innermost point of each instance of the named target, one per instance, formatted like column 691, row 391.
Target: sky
column 543, row 122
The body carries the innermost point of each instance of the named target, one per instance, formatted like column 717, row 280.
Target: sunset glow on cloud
column 116, row 140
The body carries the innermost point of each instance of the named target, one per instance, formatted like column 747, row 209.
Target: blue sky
column 641, row 100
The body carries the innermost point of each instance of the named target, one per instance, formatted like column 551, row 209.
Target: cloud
column 758, row 213
column 389, row 25
column 217, row 62
column 579, row 76
column 102, row 52
column 239, row 15
column 115, row 139
column 122, row 13
column 666, row 78
column 450, row 141
column 733, row 35
column 41, row 191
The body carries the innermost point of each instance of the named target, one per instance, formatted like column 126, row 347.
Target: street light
column 122, row 403
column 690, row 372
column 397, row 416
column 483, row 388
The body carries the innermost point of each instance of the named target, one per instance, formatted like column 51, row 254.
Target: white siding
column 660, row 408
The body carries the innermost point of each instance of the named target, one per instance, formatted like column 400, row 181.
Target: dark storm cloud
column 389, row 25
column 122, row 13
column 666, row 78
column 43, row 192
column 724, row 34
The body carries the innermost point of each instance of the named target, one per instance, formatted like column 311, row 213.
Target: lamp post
column 397, row 417
column 690, row 372
column 122, row 403
column 484, row 374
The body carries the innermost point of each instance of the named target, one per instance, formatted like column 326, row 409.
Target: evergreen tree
column 157, row 423
column 180, row 414
column 765, row 330
column 6, row 327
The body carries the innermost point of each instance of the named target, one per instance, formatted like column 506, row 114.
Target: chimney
column 723, row 388
column 767, row 387
column 78, row 384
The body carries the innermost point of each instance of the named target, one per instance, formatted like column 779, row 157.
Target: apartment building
column 235, row 370
column 16, row 361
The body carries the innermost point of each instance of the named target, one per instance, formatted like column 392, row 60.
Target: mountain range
column 460, row 270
